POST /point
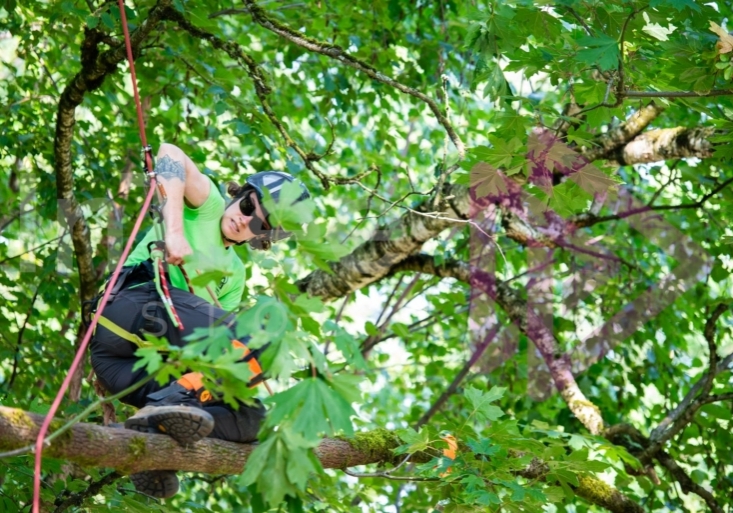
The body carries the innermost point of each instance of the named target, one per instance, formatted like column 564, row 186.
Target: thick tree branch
column 339, row 54
column 623, row 133
column 95, row 68
column 128, row 451
column 528, row 323
column 374, row 259
column 663, row 144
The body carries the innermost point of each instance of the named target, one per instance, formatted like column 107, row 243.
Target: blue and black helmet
column 272, row 181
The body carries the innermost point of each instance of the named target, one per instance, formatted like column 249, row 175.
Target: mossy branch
column 128, row 451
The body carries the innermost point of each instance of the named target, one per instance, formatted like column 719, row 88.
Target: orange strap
column 195, row 380
column 254, row 365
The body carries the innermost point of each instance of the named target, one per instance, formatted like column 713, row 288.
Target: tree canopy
column 519, row 238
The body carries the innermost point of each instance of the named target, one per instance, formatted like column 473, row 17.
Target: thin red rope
column 115, row 275
column 167, row 294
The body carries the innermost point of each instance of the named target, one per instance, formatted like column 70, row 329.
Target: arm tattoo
column 168, row 168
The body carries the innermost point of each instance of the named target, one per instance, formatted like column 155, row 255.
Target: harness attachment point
column 147, row 151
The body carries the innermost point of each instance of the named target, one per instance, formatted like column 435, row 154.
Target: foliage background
column 499, row 72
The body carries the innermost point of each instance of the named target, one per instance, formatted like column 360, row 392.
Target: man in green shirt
column 200, row 230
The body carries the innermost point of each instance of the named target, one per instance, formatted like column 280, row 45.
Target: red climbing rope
column 167, row 295
column 128, row 246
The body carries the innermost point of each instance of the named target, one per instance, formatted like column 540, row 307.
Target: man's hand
column 177, row 248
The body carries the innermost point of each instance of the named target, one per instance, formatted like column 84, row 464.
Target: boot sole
column 161, row 484
column 185, row 424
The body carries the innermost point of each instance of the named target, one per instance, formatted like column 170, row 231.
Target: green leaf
column 280, row 357
column 315, row 242
column 347, row 385
column 484, row 446
column 108, row 21
column 568, row 199
column 487, row 498
column 566, row 476
column 481, row 402
column 415, row 441
column 502, row 154
column 92, row 21
column 602, row 50
column 268, row 315
column 149, row 359
column 286, row 213
column 314, row 408
column 554, row 494
column 207, row 277
column 280, row 465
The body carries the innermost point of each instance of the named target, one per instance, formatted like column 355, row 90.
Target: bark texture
column 127, row 451
column 528, row 323
column 663, row 144
column 622, row 134
column 374, row 259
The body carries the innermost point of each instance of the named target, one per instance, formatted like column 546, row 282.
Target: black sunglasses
column 249, row 208
column 261, row 227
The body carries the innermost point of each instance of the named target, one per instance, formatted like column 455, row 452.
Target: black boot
column 177, row 412
column 161, row 484
column 174, row 411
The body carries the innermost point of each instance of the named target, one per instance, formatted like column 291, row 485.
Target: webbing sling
column 254, row 365
column 123, row 333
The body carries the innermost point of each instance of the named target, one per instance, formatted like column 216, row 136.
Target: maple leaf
column 601, row 50
column 656, row 30
column 593, row 180
column 725, row 45
column 488, row 181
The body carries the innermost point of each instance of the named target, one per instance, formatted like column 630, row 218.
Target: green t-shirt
column 202, row 228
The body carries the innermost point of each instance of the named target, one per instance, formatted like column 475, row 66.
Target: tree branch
column 335, row 52
column 453, row 387
column 262, row 90
column 677, row 94
column 664, row 144
column 77, row 499
column 129, row 451
column 374, row 259
column 587, row 219
column 677, row 419
column 528, row 323
column 686, row 482
column 95, row 68
column 623, row 133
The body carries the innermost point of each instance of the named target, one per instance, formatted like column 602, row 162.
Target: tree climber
column 201, row 229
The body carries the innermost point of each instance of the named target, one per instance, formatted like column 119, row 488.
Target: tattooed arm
column 183, row 182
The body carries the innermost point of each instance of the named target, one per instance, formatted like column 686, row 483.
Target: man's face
column 240, row 227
